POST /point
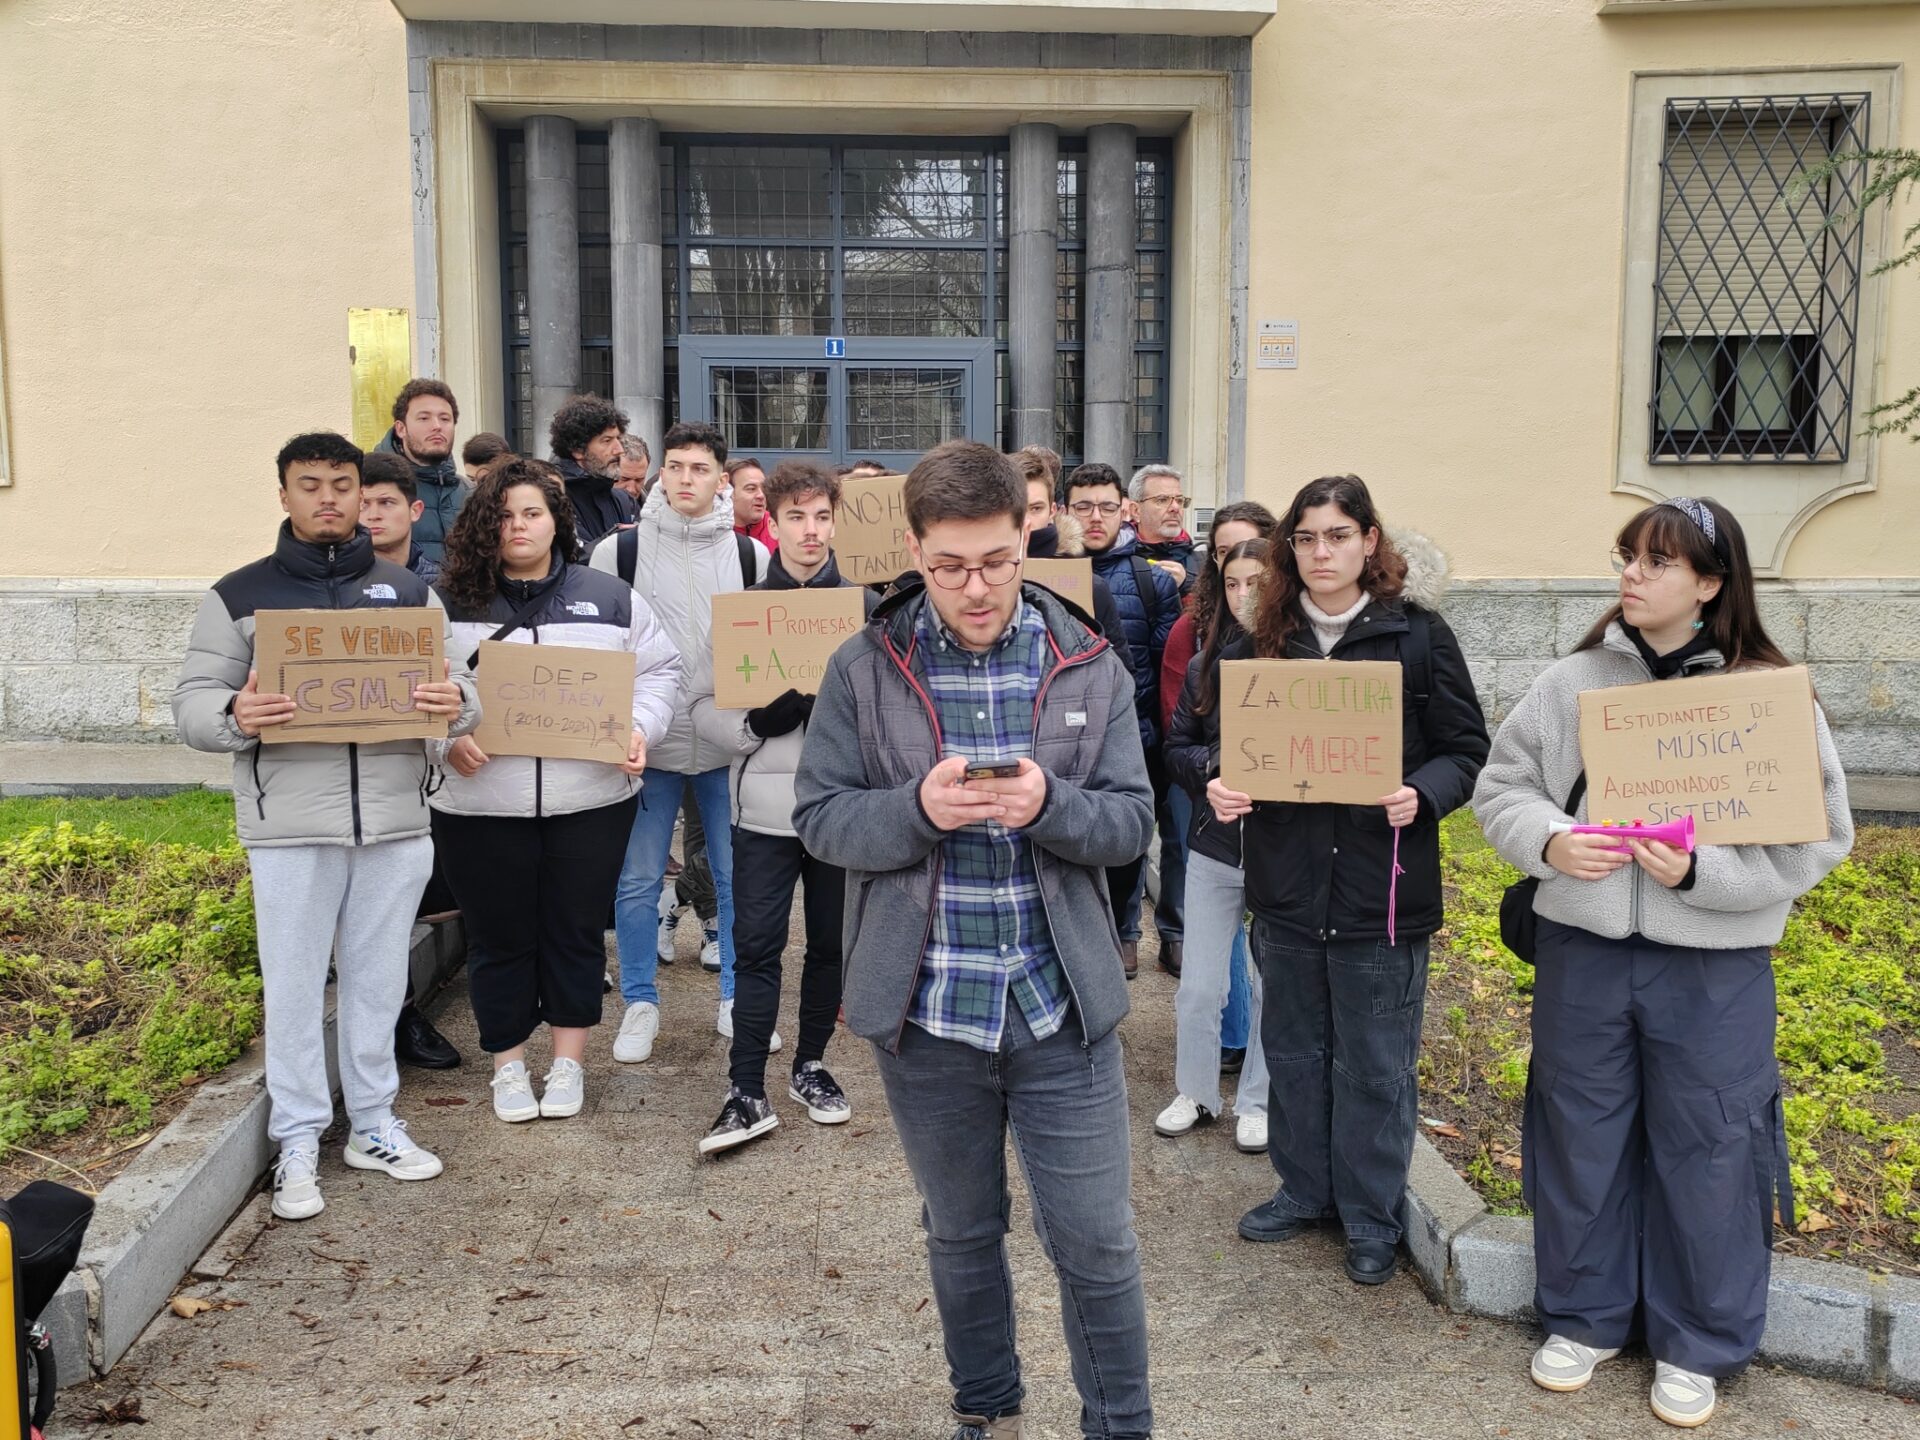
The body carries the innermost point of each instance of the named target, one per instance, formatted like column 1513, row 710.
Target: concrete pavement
column 593, row 1277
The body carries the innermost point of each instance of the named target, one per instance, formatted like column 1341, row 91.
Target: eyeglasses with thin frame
column 1303, row 541
column 955, row 577
column 1178, row 501
column 1083, row 508
column 1652, row 565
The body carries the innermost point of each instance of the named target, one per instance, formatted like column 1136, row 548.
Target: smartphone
column 1004, row 770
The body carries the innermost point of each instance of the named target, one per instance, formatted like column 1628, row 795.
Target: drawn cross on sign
column 745, row 668
column 1303, row 787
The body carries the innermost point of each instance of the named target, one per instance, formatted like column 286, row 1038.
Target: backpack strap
column 749, row 560
column 1149, row 592
column 626, row 552
column 1416, row 656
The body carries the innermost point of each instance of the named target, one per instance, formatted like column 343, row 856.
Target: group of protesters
column 967, row 804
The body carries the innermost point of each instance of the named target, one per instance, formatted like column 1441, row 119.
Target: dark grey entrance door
column 829, row 400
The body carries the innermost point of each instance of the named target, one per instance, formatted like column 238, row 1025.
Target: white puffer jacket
column 581, row 608
column 681, row 565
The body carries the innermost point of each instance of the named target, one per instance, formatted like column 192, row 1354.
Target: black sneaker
column 417, row 1043
column 1233, row 1059
column 742, row 1118
column 814, row 1087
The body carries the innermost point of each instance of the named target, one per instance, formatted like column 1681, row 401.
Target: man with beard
column 634, row 460
column 588, row 436
column 424, row 416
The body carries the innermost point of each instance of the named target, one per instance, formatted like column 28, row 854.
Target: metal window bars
column 1757, row 280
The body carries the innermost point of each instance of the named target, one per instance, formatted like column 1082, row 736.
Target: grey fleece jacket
column 1740, row 895
column 873, row 738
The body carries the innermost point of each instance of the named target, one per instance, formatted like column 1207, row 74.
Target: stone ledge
column 1831, row 1320
column 157, row 1218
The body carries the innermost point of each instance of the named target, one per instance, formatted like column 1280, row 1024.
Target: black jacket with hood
column 598, row 507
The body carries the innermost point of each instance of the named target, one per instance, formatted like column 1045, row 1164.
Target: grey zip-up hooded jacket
column 322, row 794
column 1741, row 894
column 874, row 736
column 680, row 566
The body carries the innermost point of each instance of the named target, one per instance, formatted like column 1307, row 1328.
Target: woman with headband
column 1653, row 1143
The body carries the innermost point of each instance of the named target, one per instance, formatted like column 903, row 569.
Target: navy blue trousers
column 1653, row 1145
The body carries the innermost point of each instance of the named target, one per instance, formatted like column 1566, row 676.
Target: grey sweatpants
column 354, row 904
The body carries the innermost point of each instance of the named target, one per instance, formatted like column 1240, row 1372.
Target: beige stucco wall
column 1438, row 198
column 192, row 194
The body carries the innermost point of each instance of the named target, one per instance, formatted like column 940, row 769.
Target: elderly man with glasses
column 1157, row 497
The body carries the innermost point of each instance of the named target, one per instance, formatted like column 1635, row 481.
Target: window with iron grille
column 803, row 236
column 1756, row 295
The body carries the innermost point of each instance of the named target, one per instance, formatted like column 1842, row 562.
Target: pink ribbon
column 1393, row 885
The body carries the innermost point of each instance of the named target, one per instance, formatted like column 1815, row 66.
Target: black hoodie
column 598, row 508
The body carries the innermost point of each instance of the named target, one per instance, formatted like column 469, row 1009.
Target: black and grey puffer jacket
column 300, row 794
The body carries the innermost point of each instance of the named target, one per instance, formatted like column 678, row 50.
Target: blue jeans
column 1236, row 1019
column 1066, row 1108
column 1340, row 1020
column 636, row 903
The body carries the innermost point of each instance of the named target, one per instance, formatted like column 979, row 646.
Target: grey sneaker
column 1562, row 1364
column 742, row 1118
column 1681, row 1397
column 814, row 1087
column 978, row 1427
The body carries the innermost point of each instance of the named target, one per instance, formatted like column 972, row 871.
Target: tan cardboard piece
column 1312, row 731
column 351, row 673
column 560, row 702
column 767, row 642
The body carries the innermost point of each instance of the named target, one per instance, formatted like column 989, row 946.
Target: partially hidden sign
column 1069, row 579
column 767, row 642
column 1737, row 752
column 351, row 673
column 1312, row 731
column 560, row 702
column 870, row 532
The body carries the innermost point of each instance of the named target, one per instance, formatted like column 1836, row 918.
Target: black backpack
column 40, row 1233
column 626, row 557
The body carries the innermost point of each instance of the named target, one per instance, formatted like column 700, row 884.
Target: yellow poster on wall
column 380, row 354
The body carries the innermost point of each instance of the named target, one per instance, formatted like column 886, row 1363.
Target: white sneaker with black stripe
column 389, row 1148
column 296, row 1183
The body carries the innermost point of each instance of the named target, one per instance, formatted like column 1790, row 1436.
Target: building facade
column 1519, row 264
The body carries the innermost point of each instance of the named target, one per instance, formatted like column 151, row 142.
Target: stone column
column 639, row 362
column 553, row 270
column 1112, row 233
column 1033, row 214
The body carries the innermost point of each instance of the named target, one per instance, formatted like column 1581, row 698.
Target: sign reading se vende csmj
column 351, row 673
column 1312, row 731
column 767, row 642
column 1737, row 752
column 559, row 702
column 870, row 532
column 1070, row 579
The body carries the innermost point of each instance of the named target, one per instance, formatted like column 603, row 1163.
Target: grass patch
column 1848, row 976
column 128, row 969
column 192, row 817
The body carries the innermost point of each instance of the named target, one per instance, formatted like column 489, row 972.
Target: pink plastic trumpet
column 1673, row 832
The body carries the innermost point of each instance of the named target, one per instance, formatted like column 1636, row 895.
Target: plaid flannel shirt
column 989, row 937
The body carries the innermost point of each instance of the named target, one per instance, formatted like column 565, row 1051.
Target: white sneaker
column 1681, row 1397
column 566, row 1090
column 296, row 1183
column 1562, row 1364
column 1250, row 1134
column 710, row 952
column 391, row 1149
column 669, row 922
column 1181, row 1116
column 513, row 1093
column 723, row 1022
column 638, row 1028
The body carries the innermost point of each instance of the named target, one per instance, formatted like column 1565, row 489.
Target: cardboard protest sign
column 1737, row 752
column 351, row 673
column 560, row 702
column 1069, row 579
column 1313, row 731
column 767, row 642
column 870, row 532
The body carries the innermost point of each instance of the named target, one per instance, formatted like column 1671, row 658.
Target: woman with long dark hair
column 1653, row 1145
column 1216, row 887
column 532, row 847
column 1340, row 938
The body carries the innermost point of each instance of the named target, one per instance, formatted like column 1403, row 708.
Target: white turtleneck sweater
column 1329, row 628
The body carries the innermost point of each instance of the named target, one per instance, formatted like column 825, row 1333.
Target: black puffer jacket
column 598, row 508
column 1322, row 871
column 1192, row 756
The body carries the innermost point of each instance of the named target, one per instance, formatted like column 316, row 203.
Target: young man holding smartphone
column 984, row 967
